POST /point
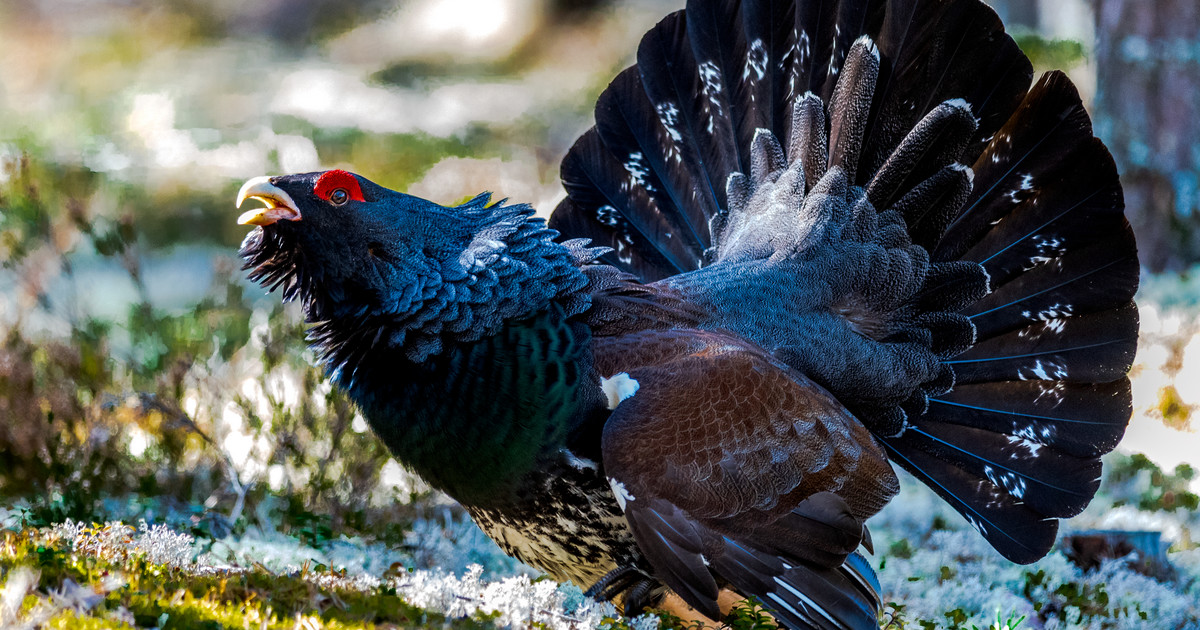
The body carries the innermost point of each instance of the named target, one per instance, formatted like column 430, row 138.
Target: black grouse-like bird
column 805, row 240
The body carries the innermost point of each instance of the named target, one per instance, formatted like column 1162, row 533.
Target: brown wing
column 730, row 465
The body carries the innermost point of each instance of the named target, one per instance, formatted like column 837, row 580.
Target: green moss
column 169, row 597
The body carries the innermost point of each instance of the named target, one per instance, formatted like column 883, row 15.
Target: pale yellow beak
column 279, row 204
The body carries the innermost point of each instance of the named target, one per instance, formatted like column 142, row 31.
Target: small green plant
column 891, row 616
column 749, row 614
column 1011, row 622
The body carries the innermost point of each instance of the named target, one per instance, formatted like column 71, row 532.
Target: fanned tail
column 1042, row 393
column 1025, row 297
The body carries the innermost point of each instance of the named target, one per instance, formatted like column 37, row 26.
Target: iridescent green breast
column 477, row 418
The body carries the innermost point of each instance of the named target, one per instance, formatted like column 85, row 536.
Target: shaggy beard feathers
column 276, row 262
column 272, row 260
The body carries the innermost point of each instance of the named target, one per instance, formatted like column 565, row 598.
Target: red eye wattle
column 330, row 181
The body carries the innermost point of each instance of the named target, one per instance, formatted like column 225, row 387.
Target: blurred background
column 142, row 377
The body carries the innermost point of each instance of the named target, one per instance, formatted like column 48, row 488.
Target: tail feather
column 1084, row 420
column 1091, row 348
column 629, row 127
column 1028, row 300
column 1057, row 211
column 763, row 103
column 639, row 239
column 938, row 139
column 1096, row 278
column 673, row 82
column 721, row 52
column 930, row 206
column 1037, row 141
column 1051, row 482
column 823, row 32
column 937, row 51
column 850, row 105
column 1019, row 532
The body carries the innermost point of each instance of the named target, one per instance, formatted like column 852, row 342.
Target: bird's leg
column 616, row 581
column 640, row 598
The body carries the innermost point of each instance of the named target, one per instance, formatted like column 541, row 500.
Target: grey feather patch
column 767, row 214
column 809, row 144
column 851, row 104
column 766, row 157
column 936, row 141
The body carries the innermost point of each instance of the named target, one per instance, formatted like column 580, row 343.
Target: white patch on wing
column 618, row 387
column 619, row 491
column 577, row 462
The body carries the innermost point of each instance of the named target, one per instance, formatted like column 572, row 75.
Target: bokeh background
column 141, row 378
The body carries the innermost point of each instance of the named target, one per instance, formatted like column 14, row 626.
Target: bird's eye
column 339, row 196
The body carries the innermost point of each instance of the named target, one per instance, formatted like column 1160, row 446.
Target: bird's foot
column 631, row 580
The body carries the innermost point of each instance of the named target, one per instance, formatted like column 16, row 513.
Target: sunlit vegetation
column 142, row 380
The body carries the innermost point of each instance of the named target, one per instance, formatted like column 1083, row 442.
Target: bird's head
column 345, row 245
column 357, row 254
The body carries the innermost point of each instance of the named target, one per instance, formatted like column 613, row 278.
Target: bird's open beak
column 279, row 204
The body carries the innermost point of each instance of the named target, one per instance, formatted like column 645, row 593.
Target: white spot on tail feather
column 756, row 61
column 1053, row 391
column 638, row 170
column 607, row 215
column 620, row 492
column 668, row 115
column 833, row 54
column 1025, row 442
column 618, row 388
column 710, row 76
column 974, row 522
column 1012, row 483
column 1045, row 371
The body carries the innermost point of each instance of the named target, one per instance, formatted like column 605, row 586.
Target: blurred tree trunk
column 1148, row 112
